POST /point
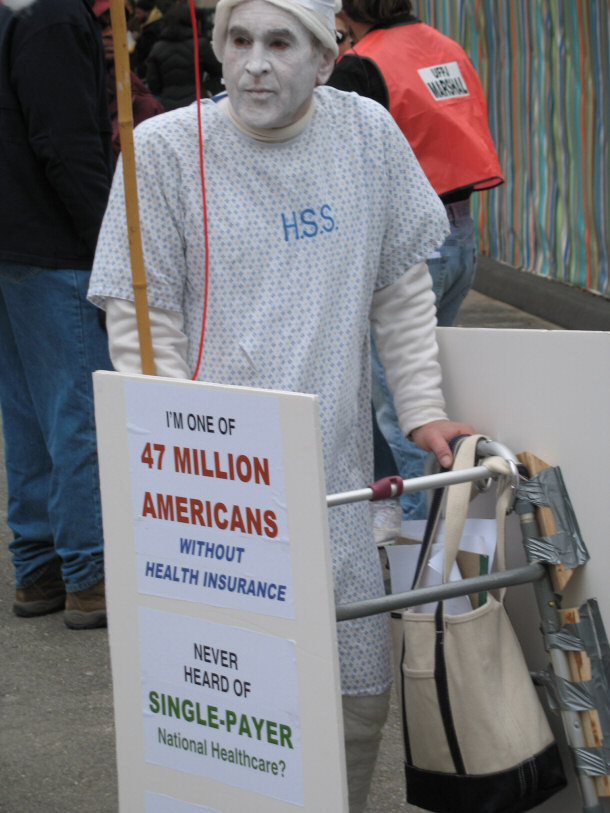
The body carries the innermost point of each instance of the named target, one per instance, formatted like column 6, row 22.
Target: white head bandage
column 17, row 5
column 316, row 15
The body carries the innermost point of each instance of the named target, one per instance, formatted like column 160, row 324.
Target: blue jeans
column 452, row 277
column 453, row 272
column 51, row 340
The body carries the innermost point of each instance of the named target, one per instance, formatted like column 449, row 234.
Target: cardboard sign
column 208, row 498
column 220, row 600
column 222, row 702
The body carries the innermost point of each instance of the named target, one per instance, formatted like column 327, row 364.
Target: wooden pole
column 580, row 670
column 579, row 663
column 125, row 119
column 560, row 574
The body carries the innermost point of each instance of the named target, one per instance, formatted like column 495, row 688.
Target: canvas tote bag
column 476, row 738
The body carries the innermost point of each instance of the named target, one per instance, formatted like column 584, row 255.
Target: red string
column 203, row 196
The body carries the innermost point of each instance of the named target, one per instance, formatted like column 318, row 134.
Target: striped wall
column 545, row 67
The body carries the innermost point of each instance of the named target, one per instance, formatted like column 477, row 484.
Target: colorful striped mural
column 545, row 67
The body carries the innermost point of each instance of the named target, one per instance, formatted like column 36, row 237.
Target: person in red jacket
column 429, row 85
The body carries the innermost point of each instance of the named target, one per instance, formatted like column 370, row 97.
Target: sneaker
column 86, row 609
column 46, row 595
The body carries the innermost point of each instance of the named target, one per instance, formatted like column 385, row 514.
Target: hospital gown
column 301, row 235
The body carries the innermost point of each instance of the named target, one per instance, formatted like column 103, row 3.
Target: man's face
column 104, row 23
column 270, row 65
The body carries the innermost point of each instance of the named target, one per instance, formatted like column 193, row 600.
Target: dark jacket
column 55, row 135
column 149, row 34
column 171, row 72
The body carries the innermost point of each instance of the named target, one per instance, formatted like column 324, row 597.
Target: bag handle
column 434, row 515
column 457, row 508
column 458, row 499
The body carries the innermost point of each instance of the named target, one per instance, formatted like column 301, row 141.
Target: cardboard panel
column 220, row 601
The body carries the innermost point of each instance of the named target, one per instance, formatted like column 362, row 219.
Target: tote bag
column 476, row 738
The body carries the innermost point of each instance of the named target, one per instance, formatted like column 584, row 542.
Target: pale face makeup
column 270, row 65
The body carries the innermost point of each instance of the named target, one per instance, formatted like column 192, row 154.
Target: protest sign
column 208, row 497
column 220, row 599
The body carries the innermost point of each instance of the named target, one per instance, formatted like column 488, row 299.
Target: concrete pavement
column 57, row 751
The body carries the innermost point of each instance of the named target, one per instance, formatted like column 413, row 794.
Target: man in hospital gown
column 319, row 219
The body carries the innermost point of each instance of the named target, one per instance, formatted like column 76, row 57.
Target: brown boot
column 86, row 609
column 46, row 595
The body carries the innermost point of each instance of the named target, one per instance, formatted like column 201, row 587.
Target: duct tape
column 589, row 636
column 523, row 505
column 569, row 695
column 593, row 633
column 547, row 680
column 592, row 761
column 567, row 639
column 556, row 549
column 547, row 489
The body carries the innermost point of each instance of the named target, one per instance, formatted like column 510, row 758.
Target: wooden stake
column 580, row 670
column 125, row 119
column 560, row 575
column 579, row 662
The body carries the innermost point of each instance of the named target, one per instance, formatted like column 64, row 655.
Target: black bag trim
column 405, row 727
column 442, row 690
column 512, row 791
column 435, row 507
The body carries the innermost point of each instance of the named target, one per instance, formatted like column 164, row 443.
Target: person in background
column 148, row 17
column 205, row 18
column 296, row 270
column 143, row 103
column 344, row 38
column 55, row 174
column 429, row 85
column 170, row 73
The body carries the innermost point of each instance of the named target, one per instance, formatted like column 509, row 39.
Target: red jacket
column 436, row 98
column 144, row 105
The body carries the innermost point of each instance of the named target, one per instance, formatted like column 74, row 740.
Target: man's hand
column 433, row 437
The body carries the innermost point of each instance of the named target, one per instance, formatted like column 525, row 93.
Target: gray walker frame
column 536, row 572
